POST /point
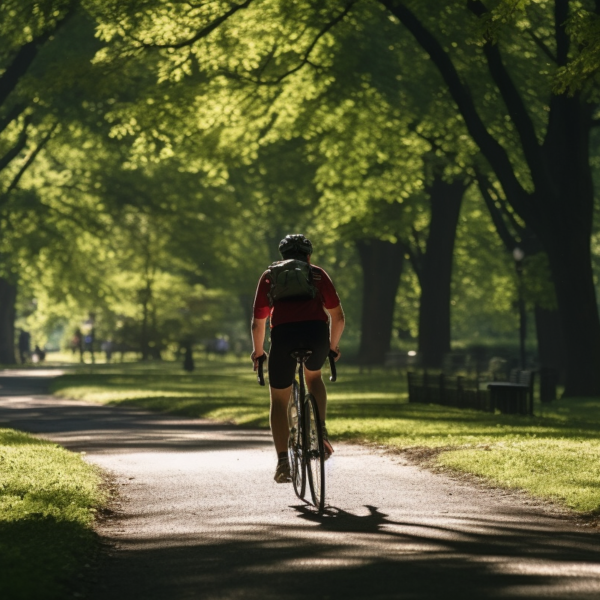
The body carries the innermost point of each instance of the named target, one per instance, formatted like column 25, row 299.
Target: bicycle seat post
column 301, row 355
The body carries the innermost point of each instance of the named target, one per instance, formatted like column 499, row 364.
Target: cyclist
column 312, row 323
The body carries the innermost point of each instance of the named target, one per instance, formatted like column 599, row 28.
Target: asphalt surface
column 201, row 517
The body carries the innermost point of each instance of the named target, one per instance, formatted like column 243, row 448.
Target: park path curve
column 201, row 517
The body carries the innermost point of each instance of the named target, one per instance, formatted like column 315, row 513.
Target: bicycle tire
column 314, row 452
column 295, row 453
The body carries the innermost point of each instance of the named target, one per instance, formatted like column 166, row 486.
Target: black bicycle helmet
column 295, row 243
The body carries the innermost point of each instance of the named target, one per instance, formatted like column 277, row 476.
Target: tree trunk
column 8, row 296
column 551, row 348
column 560, row 208
column 435, row 274
column 576, row 297
column 144, row 337
column 565, row 228
column 382, row 264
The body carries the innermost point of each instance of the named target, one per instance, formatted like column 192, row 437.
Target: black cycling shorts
column 287, row 337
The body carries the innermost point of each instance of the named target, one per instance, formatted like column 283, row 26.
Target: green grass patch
column 373, row 408
column 48, row 498
column 564, row 470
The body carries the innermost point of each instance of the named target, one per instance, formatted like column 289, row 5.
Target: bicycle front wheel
column 295, row 454
column 315, row 454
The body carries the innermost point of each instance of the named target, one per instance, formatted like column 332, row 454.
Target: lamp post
column 518, row 256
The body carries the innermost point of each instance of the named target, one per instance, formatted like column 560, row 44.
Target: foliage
column 178, row 144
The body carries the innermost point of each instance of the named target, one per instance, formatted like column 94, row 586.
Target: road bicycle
column 306, row 450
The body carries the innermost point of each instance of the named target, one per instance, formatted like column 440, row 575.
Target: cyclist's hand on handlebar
column 255, row 359
column 336, row 353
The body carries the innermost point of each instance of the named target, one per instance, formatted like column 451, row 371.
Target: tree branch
column 18, row 66
column 514, row 104
column 16, row 149
column 23, row 59
column 203, row 32
column 509, row 241
column 489, row 146
column 561, row 15
column 327, row 27
column 305, row 60
column 13, row 114
column 538, row 42
column 28, row 162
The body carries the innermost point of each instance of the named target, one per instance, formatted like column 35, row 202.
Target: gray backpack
column 291, row 280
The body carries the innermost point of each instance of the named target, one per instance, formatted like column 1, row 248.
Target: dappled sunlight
column 369, row 408
column 367, row 553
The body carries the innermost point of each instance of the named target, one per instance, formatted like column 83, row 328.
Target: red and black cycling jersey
column 292, row 311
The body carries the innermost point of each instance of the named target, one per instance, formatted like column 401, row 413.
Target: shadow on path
column 104, row 429
column 224, row 534
column 360, row 558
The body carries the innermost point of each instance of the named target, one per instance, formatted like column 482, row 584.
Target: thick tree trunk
column 8, row 296
column 565, row 228
column 551, row 348
column 576, row 297
column 560, row 209
column 435, row 273
column 382, row 264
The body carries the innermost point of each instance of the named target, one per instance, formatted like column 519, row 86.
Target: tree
column 557, row 201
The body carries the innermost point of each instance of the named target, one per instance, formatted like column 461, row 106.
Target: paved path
column 202, row 518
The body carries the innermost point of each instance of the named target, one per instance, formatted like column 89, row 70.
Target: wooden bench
column 515, row 396
column 458, row 392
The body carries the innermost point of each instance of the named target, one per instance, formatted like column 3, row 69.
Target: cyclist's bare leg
column 315, row 385
column 278, row 417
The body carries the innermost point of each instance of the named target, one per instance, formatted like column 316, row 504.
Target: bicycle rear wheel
column 315, row 455
column 295, row 454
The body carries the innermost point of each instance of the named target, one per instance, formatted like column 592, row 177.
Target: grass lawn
column 555, row 455
column 48, row 497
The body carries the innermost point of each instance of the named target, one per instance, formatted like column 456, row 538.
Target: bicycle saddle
column 301, row 353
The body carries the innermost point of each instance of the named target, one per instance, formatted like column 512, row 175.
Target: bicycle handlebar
column 260, row 376
column 332, row 355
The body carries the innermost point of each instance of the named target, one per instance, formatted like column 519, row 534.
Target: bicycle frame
column 305, row 446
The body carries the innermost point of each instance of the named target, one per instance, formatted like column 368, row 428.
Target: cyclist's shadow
column 337, row 519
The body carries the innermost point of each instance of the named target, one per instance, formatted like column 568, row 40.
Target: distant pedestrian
column 38, row 355
column 24, row 346
column 77, row 344
column 107, row 348
column 188, row 359
column 88, row 344
column 221, row 345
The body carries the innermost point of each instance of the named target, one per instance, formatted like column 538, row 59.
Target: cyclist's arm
column 338, row 320
column 259, row 327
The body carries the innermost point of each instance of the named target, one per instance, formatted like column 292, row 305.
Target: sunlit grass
column 373, row 408
column 48, row 498
column 564, row 470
